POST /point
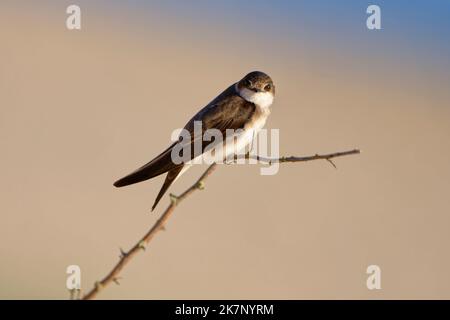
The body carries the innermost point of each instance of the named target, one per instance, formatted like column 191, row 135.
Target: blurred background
column 79, row 109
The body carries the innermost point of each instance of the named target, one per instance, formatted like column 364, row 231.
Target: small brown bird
column 243, row 105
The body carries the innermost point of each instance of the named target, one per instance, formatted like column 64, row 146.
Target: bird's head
column 257, row 87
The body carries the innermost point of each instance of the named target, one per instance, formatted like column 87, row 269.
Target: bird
column 244, row 107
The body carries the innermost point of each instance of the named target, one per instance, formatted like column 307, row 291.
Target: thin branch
column 126, row 257
column 327, row 157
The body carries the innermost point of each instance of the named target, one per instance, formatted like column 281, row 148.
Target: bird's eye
column 268, row 87
column 248, row 83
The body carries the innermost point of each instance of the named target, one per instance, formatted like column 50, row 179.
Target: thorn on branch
column 200, row 185
column 141, row 245
column 173, row 199
column 113, row 274
column 123, row 254
column 116, row 280
column 332, row 163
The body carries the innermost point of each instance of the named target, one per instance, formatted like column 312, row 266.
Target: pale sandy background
column 80, row 109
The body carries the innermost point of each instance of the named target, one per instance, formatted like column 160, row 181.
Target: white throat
column 262, row 99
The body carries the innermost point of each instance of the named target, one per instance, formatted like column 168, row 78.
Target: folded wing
column 228, row 111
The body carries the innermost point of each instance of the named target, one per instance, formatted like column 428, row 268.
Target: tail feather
column 170, row 178
column 154, row 168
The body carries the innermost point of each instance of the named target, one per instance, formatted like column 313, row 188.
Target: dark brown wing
column 157, row 166
column 230, row 112
column 223, row 116
column 227, row 111
column 170, row 178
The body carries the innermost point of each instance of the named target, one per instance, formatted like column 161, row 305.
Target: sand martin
column 243, row 106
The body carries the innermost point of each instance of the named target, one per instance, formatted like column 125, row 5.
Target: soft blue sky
column 418, row 30
column 414, row 40
column 415, row 22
